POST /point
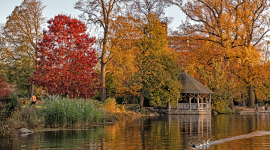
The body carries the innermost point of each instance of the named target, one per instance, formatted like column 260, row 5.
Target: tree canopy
column 18, row 41
column 157, row 68
column 236, row 28
column 66, row 59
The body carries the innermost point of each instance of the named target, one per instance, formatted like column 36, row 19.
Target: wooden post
column 189, row 102
column 210, row 102
column 190, row 125
column 198, row 102
column 210, row 99
column 209, row 105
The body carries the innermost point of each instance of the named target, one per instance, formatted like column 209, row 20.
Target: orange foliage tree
column 246, row 65
column 121, row 68
column 230, row 24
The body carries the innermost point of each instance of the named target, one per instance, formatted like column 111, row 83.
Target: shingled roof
column 191, row 85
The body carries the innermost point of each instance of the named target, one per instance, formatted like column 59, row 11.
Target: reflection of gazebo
column 196, row 98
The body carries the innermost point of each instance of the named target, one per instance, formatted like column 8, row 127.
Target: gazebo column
column 209, row 101
column 189, row 101
column 198, row 102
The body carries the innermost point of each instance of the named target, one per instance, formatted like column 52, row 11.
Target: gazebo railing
column 194, row 106
column 204, row 106
column 183, row 106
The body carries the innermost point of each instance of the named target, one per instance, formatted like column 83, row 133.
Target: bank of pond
column 57, row 112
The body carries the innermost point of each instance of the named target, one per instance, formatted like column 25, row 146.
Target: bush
column 7, row 132
column 25, row 101
column 69, row 112
column 143, row 110
column 27, row 117
column 111, row 106
column 11, row 104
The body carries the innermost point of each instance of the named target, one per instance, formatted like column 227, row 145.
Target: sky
column 55, row 7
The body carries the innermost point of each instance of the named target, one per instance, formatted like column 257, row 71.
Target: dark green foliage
column 7, row 132
column 220, row 85
column 11, row 104
column 158, row 67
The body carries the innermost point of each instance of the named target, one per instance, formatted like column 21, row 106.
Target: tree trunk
column 103, row 89
column 133, row 99
column 141, row 98
column 32, row 89
column 103, row 64
column 29, row 91
column 256, row 98
column 232, row 105
column 250, row 100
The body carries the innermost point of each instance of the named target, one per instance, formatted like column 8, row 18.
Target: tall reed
column 68, row 112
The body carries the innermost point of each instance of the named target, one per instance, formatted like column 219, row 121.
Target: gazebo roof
column 191, row 85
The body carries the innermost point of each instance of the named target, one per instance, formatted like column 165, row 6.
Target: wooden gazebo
column 195, row 97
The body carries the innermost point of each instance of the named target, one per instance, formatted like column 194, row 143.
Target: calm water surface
column 172, row 132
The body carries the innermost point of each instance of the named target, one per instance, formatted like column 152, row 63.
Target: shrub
column 28, row 117
column 7, row 132
column 143, row 110
column 11, row 104
column 111, row 106
column 4, row 90
column 25, row 101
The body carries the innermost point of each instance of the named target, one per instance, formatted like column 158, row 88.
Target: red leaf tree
column 66, row 59
column 4, row 90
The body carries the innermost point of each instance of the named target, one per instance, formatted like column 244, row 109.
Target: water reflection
column 155, row 133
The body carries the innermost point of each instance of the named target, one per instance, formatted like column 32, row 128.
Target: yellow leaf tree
column 18, row 41
column 121, row 68
column 230, row 24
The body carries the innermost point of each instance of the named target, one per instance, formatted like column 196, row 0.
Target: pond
column 172, row 132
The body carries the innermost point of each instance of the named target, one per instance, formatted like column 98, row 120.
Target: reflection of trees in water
column 128, row 135
column 193, row 128
column 174, row 131
column 66, row 139
column 74, row 138
column 159, row 132
column 231, row 126
column 7, row 144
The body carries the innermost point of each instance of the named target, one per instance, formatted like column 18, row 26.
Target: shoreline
column 253, row 112
column 13, row 131
column 243, row 110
